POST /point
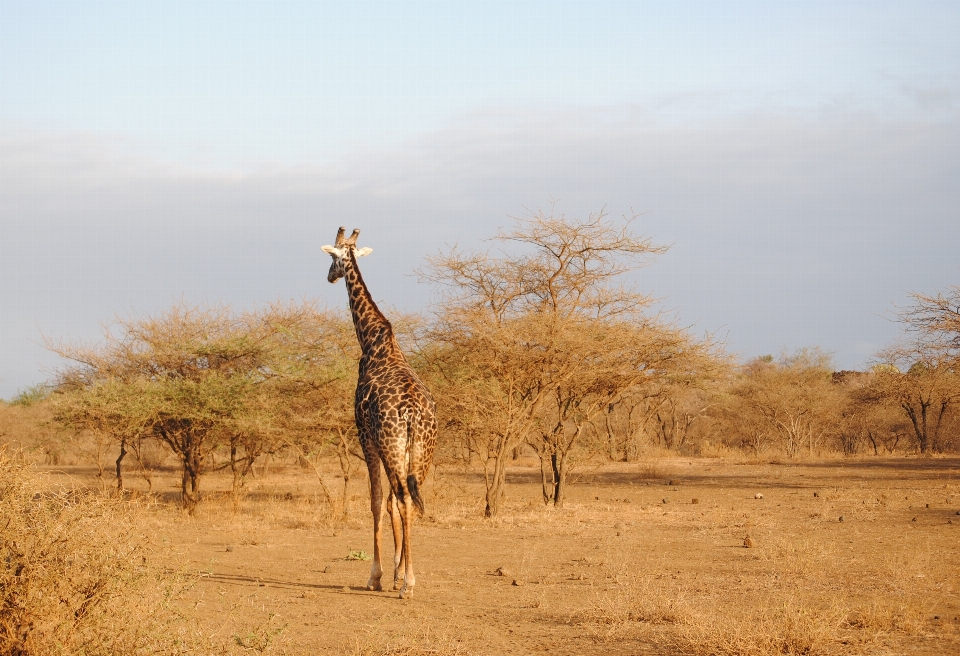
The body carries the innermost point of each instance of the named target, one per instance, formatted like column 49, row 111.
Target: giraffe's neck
column 374, row 332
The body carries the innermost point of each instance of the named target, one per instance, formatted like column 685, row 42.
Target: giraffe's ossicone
column 395, row 415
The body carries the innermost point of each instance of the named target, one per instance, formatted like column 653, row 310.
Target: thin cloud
column 789, row 228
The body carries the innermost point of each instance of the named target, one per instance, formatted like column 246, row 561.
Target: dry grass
column 423, row 642
column 799, row 600
column 652, row 471
column 79, row 575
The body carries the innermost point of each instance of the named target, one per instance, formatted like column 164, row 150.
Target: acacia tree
column 313, row 387
column 936, row 320
column 926, row 391
column 868, row 416
column 791, row 402
column 684, row 404
column 921, row 374
column 520, row 328
column 184, row 377
column 113, row 408
column 613, row 359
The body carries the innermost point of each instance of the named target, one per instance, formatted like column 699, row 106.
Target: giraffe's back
column 396, row 417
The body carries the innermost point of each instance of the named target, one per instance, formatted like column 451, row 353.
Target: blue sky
column 800, row 157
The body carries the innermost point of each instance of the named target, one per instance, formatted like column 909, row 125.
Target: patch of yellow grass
column 798, row 601
column 78, row 575
column 424, row 642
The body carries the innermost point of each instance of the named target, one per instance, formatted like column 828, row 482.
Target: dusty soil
column 642, row 559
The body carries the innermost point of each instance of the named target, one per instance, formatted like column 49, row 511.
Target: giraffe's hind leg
column 376, row 507
column 401, row 514
column 397, row 539
column 409, row 580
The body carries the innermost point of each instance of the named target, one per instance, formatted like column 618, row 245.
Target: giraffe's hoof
column 374, row 586
column 397, row 584
column 405, row 592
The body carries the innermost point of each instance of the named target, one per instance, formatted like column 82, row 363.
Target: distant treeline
column 536, row 346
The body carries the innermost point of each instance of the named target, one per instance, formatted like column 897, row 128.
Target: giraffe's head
column 340, row 252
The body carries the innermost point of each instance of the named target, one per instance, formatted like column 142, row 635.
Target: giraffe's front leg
column 397, row 539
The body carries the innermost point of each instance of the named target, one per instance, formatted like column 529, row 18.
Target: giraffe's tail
column 414, row 489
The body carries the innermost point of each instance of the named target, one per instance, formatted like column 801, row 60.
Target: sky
column 801, row 159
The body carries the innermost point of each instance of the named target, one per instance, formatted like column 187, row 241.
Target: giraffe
column 395, row 416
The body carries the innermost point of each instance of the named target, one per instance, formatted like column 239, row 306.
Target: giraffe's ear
column 332, row 250
column 360, row 252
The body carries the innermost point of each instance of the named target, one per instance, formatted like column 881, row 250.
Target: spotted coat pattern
column 395, row 416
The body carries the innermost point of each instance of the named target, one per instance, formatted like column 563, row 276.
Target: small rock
column 694, row 501
column 229, row 547
column 840, row 519
column 597, row 498
column 336, row 534
column 627, row 501
column 502, row 571
column 928, row 505
column 518, row 582
column 664, row 500
column 914, row 519
column 958, row 512
column 326, row 570
column 346, row 588
column 748, row 542
column 816, row 494
column 936, row 617
column 757, row 496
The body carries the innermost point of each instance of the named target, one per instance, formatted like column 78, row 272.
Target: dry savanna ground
column 844, row 556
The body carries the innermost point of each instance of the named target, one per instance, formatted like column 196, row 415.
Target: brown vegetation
column 78, row 575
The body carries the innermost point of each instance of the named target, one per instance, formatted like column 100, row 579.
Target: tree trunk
column 546, row 478
column 557, row 463
column 919, row 424
column 316, row 470
column 123, row 452
column 495, row 484
column 561, row 467
column 190, row 484
column 237, row 478
column 137, row 447
column 935, row 442
column 611, row 440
